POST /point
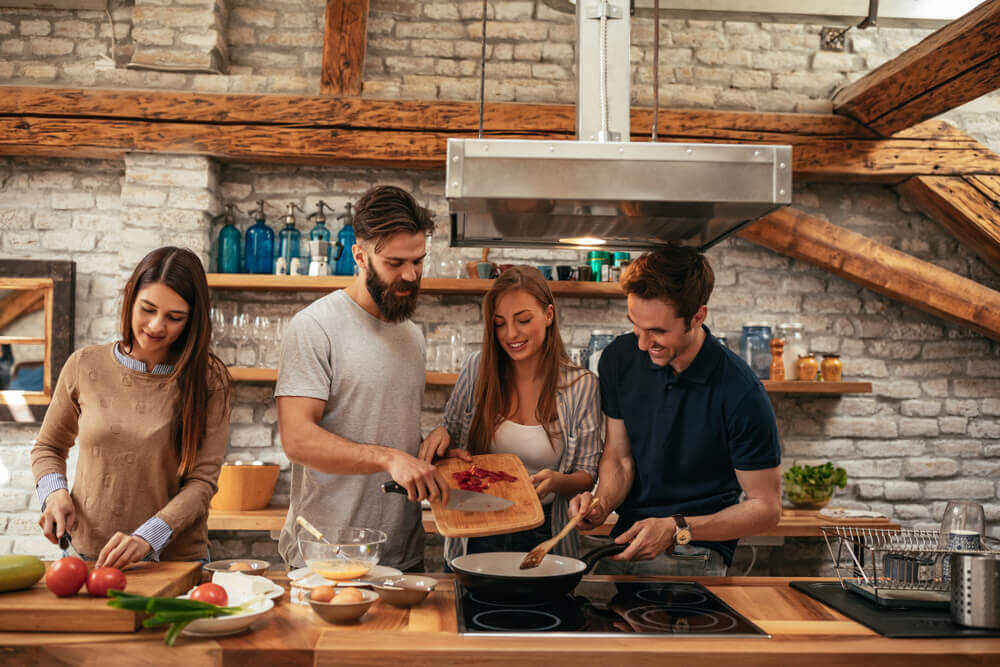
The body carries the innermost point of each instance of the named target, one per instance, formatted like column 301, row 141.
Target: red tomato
column 211, row 593
column 104, row 578
column 66, row 575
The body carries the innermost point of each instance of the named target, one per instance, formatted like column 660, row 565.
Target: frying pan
column 499, row 574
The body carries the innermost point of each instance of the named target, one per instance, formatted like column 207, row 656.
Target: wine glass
column 220, row 330
column 263, row 337
column 239, row 333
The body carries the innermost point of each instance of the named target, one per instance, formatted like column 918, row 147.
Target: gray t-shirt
column 371, row 375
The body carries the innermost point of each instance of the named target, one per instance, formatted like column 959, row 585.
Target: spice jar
column 831, row 368
column 777, row 365
column 806, row 367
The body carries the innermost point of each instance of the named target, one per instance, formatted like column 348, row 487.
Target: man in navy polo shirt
column 689, row 428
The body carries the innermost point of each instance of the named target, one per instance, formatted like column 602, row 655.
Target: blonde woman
column 522, row 395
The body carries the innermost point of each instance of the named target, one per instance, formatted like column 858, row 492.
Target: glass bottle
column 831, row 368
column 320, row 232
column 228, row 260
column 345, row 241
column 755, row 348
column 260, row 243
column 777, row 365
column 806, row 368
column 288, row 237
column 793, row 333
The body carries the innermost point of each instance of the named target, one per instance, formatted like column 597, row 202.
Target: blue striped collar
column 136, row 365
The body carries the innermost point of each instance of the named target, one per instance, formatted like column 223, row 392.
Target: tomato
column 211, row 593
column 66, row 575
column 104, row 578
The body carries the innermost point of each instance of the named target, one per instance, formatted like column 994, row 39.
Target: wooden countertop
column 793, row 523
column 804, row 632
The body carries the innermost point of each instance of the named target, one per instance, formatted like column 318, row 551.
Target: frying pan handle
column 591, row 557
column 393, row 487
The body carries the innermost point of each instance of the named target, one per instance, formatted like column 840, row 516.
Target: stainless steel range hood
column 603, row 190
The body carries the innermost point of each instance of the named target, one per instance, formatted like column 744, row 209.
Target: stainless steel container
column 975, row 590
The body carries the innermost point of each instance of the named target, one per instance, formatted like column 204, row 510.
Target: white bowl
column 227, row 625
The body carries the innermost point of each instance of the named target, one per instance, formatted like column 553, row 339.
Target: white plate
column 376, row 571
column 256, row 566
column 227, row 625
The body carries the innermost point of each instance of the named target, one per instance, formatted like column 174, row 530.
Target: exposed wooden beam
column 954, row 65
column 398, row 133
column 20, row 303
column 880, row 268
column 967, row 208
column 344, row 44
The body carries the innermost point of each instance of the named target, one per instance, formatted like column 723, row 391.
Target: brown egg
column 323, row 593
column 348, row 596
column 240, row 566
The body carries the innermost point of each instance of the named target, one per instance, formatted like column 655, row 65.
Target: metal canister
column 975, row 590
column 598, row 259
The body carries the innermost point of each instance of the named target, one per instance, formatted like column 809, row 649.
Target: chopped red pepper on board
column 477, row 479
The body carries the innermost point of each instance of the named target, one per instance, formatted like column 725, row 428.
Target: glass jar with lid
column 831, row 368
column 806, row 367
column 755, row 348
column 796, row 346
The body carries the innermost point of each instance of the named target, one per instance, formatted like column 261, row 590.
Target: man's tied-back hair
column 679, row 274
column 385, row 210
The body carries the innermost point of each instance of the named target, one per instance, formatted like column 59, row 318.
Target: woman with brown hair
column 522, row 395
column 150, row 413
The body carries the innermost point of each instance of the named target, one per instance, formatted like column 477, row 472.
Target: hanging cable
column 656, row 67
column 482, row 75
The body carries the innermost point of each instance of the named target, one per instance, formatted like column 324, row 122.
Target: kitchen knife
column 461, row 500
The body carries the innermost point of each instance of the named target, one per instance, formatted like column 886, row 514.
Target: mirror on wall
column 37, row 299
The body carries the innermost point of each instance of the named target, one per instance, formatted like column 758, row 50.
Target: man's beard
column 394, row 308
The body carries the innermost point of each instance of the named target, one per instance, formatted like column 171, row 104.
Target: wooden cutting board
column 37, row 610
column 526, row 512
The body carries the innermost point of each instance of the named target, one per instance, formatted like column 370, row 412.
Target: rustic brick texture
column 180, row 35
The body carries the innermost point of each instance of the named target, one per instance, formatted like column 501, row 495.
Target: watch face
column 683, row 536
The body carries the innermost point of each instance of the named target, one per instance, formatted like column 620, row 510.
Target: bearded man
column 350, row 387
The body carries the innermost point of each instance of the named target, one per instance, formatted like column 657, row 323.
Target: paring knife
column 461, row 500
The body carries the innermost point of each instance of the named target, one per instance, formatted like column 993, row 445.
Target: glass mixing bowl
column 350, row 554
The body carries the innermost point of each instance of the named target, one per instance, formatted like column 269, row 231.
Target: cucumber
column 17, row 572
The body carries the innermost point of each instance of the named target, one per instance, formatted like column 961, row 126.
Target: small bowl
column 808, row 497
column 352, row 552
column 344, row 613
column 245, row 565
column 403, row 597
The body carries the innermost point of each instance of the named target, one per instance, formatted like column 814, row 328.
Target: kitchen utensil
column 332, row 612
column 36, row 609
column 245, row 487
column 348, row 554
column 406, row 591
column 470, row 267
column 499, row 573
column 975, row 590
column 525, row 512
column 534, row 557
column 460, row 500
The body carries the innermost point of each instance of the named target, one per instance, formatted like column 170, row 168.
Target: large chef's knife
column 461, row 500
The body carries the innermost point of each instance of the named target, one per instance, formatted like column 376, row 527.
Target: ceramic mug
column 485, row 269
column 546, row 271
column 505, row 267
column 964, row 540
column 564, row 272
column 584, row 273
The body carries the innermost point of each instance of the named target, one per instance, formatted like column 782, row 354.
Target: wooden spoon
column 534, row 557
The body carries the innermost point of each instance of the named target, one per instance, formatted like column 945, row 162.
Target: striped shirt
column 155, row 530
column 578, row 406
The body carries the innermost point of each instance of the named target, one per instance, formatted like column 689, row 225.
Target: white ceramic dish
column 227, row 625
column 376, row 572
column 256, row 566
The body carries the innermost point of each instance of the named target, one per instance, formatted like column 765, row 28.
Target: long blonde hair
column 494, row 390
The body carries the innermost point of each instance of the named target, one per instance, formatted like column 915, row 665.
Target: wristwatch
column 682, row 534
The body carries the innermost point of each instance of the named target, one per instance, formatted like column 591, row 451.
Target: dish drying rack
column 894, row 567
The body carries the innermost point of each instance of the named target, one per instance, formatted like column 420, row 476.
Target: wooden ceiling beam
column 952, row 66
column 344, row 42
column 968, row 208
column 19, row 303
column 879, row 268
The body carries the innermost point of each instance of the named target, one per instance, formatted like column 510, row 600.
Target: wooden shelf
column 242, row 374
column 804, row 387
column 21, row 340
column 793, row 522
column 436, row 379
column 245, row 281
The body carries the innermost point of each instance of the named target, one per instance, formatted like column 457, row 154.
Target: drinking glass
column 263, row 337
column 220, row 331
column 455, row 351
column 239, row 333
column 959, row 515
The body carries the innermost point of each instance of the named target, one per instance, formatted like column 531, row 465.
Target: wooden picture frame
column 56, row 280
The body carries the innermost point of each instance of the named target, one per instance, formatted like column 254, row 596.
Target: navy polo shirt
column 689, row 432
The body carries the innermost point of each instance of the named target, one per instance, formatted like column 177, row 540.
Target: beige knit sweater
column 127, row 424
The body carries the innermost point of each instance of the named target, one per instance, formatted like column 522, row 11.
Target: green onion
column 175, row 612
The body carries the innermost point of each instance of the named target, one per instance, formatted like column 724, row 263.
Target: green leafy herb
column 807, row 484
column 175, row 612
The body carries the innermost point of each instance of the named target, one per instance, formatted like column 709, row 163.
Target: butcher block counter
column 804, row 632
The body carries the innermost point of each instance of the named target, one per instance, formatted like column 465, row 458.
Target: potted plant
column 811, row 487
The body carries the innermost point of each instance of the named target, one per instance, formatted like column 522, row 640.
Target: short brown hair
column 679, row 274
column 385, row 210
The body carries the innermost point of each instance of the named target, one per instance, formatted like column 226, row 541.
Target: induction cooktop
column 648, row 608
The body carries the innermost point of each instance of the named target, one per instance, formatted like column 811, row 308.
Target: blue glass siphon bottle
column 288, row 239
column 230, row 241
column 260, row 243
column 345, row 241
column 320, row 232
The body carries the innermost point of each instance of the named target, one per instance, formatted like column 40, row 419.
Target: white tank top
column 531, row 445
